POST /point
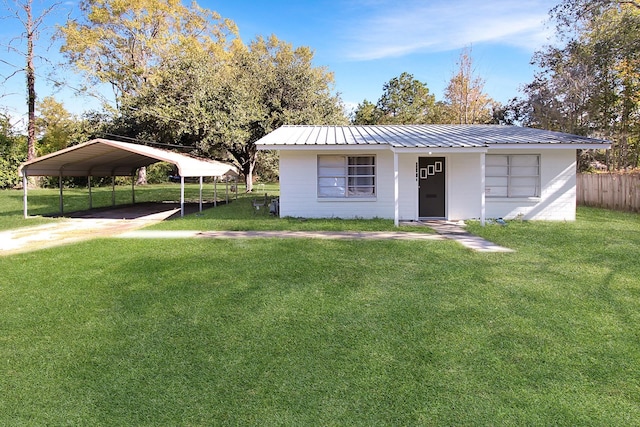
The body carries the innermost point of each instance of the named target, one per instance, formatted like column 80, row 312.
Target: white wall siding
column 408, row 187
column 298, row 187
column 557, row 201
column 464, row 186
column 299, row 192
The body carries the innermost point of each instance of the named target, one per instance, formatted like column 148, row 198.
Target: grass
column 316, row 332
column 239, row 214
column 44, row 203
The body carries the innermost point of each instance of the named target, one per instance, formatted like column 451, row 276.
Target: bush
column 267, row 167
column 13, row 151
column 158, row 173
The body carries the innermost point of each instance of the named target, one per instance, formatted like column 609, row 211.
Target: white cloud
column 393, row 29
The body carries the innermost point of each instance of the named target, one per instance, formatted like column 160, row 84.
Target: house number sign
column 430, row 170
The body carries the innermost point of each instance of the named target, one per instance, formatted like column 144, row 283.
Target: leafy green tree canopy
column 590, row 83
column 54, row 125
column 221, row 106
column 13, row 151
column 405, row 100
column 121, row 41
column 365, row 113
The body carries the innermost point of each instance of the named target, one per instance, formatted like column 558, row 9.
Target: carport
column 107, row 158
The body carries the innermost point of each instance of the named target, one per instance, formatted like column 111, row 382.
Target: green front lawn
column 316, row 332
column 44, row 203
column 239, row 214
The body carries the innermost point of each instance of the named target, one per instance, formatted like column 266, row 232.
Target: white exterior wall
column 407, row 187
column 464, row 186
column 299, row 187
column 557, row 201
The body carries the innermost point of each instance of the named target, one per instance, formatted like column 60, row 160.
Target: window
column 516, row 175
column 346, row 176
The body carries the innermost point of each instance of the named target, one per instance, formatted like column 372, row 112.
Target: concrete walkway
column 445, row 231
column 456, row 231
column 72, row 230
column 326, row 235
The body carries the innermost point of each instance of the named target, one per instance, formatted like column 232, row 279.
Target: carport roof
column 103, row 157
column 422, row 136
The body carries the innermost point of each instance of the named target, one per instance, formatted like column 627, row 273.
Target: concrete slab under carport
column 164, row 210
column 83, row 226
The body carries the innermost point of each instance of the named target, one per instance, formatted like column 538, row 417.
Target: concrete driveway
column 75, row 227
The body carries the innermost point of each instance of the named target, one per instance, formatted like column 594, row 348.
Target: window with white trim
column 512, row 175
column 346, row 176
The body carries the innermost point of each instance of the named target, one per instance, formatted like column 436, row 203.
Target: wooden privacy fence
column 609, row 190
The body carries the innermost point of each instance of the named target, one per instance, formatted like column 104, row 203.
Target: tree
column 32, row 25
column 122, row 42
column 574, row 16
column 268, row 85
column 590, row 84
column 365, row 114
column 465, row 100
column 55, row 126
column 405, row 100
column 220, row 107
column 13, row 151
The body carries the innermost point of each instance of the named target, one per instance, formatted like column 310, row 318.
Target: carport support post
column 133, row 187
column 200, row 194
column 181, row 196
column 226, row 192
column 90, row 195
column 25, row 190
column 113, row 190
column 61, row 195
column 215, row 191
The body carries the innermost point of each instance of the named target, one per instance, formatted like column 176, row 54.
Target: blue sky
column 364, row 42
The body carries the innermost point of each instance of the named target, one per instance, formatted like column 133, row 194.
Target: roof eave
column 551, row 146
column 322, row 147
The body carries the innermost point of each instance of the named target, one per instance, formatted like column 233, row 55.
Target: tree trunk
column 31, row 87
column 142, row 176
column 248, row 174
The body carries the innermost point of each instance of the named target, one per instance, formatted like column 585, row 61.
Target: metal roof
column 421, row 136
column 103, row 157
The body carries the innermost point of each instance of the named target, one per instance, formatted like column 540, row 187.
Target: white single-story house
column 414, row 172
